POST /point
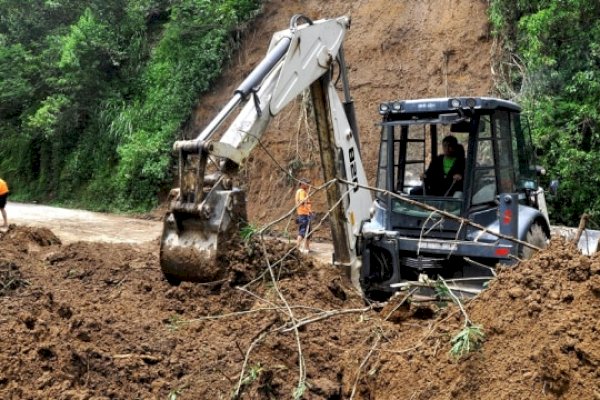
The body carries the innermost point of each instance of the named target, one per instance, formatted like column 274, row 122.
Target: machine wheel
column 381, row 271
column 535, row 236
column 172, row 279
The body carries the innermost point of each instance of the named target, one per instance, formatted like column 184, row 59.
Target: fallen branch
column 262, row 334
column 240, row 313
column 246, row 358
column 376, row 343
column 441, row 212
column 408, row 295
column 144, row 357
column 322, row 316
column 301, row 365
column 582, row 223
column 364, row 362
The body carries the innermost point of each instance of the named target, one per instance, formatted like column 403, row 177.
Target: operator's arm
column 431, row 171
column 459, row 169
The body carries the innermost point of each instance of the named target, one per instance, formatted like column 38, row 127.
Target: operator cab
column 498, row 159
column 498, row 156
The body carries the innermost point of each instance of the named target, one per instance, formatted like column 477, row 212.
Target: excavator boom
column 208, row 209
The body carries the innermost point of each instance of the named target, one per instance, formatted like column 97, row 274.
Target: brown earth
column 98, row 321
column 89, row 320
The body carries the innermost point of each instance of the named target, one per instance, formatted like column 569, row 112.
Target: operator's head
column 449, row 145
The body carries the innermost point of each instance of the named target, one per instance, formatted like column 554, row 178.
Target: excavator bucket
column 194, row 236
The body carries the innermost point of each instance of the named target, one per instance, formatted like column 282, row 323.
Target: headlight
column 396, row 106
column 471, row 102
column 455, row 103
column 384, row 108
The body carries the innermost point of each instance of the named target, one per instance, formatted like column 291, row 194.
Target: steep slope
column 395, row 50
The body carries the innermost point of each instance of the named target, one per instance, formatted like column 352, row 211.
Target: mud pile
column 540, row 321
column 98, row 321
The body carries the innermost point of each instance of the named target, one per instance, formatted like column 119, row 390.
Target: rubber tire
column 535, row 236
column 172, row 279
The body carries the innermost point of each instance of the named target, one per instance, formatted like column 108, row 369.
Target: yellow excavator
column 496, row 214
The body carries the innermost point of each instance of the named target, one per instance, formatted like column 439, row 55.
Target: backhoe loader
column 396, row 231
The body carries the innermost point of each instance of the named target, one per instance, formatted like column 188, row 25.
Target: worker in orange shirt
column 3, row 196
column 304, row 210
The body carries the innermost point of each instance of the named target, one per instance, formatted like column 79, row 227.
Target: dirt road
column 78, row 225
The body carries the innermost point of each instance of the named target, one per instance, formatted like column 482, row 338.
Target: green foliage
column 15, row 87
column 557, row 80
column 94, row 92
column 185, row 61
column 469, row 339
column 253, row 374
column 248, row 231
column 299, row 391
column 175, row 322
column 46, row 118
column 174, row 394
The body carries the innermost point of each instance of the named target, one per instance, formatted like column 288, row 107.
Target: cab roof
column 445, row 105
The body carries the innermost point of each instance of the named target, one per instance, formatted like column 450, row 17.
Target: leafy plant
column 248, row 231
column 252, row 375
column 175, row 322
column 299, row 391
column 442, row 293
column 469, row 339
column 174, row 394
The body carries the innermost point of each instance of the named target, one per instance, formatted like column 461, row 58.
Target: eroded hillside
column 395, row 50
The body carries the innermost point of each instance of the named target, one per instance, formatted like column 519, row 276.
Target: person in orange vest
column 3, row 196
column 304, row 210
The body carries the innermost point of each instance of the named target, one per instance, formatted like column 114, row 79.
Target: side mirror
column 553, row 188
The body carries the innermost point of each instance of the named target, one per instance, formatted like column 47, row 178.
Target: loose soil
column 93, row 320
column 98, row 321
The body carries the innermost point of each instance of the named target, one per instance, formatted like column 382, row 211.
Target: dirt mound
column 17, row 243
column 99, row 321
column 19, row 235
column 541, row 338
column 542, row 319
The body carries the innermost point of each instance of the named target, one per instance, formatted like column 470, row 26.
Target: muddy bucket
column 192, row 241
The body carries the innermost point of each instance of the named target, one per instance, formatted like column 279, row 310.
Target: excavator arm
column 209, row 208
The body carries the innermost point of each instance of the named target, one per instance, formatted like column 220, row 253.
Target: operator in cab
column 444, row 176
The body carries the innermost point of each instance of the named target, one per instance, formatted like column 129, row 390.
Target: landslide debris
column 98, row 321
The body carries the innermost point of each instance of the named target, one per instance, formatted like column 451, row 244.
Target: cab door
column 493, row 167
